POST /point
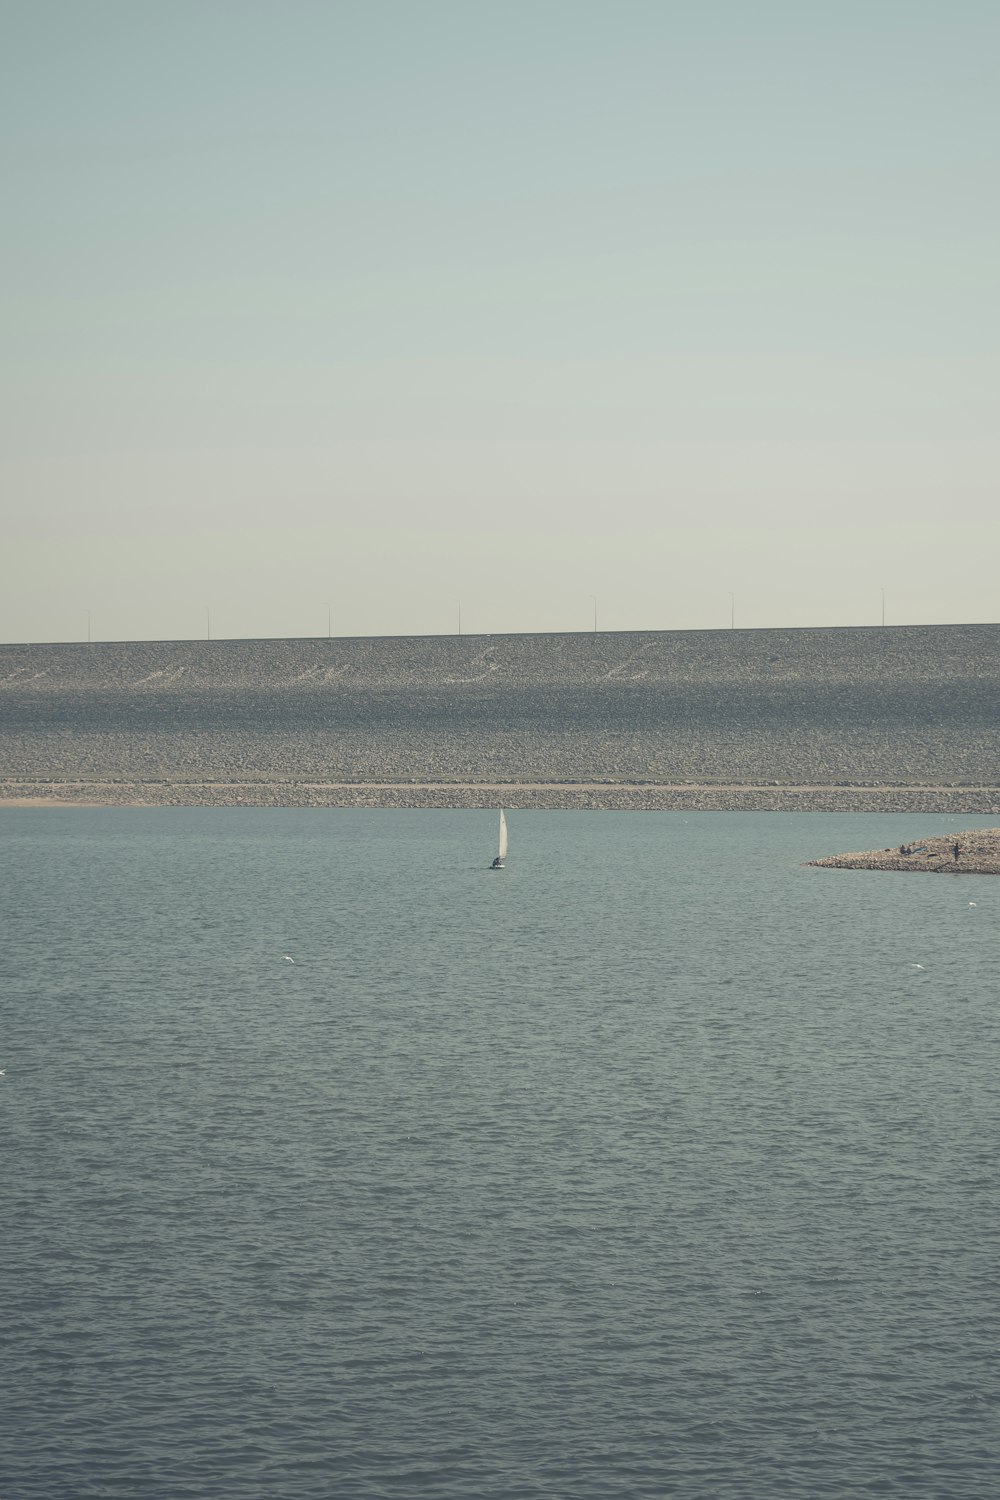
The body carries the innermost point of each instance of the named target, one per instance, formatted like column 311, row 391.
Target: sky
column 370, row 316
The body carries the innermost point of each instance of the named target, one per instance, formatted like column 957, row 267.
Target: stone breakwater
column 879, row 719
column 978, row 854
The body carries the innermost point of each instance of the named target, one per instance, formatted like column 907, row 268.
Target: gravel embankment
column 567, row 796
column 886, row 719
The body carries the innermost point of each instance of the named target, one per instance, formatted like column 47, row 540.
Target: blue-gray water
column 651, row 1166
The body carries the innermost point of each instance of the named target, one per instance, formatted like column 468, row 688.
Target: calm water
column 652, row 1166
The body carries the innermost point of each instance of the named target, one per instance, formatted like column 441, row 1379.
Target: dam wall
column 901, row 706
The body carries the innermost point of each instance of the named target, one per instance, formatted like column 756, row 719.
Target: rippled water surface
column 653, row 1165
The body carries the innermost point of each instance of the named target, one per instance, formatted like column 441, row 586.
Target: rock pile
column 976, row 852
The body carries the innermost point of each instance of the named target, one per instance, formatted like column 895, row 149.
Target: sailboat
column 502, row 855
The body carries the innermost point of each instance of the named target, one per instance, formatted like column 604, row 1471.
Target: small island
column 978, row 853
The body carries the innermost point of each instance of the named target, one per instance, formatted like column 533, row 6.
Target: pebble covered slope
column 882, row 717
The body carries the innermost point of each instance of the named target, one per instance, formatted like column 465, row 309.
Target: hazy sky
column 384, row 305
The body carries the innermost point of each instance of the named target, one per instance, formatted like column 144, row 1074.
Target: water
column 651, row 1166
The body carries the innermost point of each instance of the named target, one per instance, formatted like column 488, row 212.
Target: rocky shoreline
column 978, row 853
column 554, row 796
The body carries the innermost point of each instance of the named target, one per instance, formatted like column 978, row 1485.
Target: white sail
column 503, row 835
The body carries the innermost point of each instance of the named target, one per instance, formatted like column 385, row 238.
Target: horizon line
column 724, row 630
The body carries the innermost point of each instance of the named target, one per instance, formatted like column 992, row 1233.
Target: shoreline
column 978, row 854
column 543, row 795
column 860, row 720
